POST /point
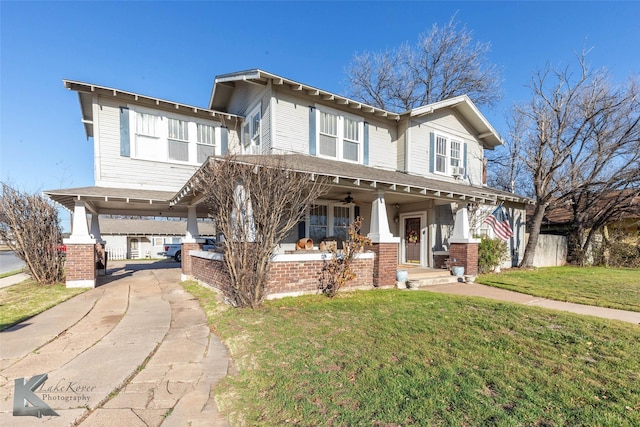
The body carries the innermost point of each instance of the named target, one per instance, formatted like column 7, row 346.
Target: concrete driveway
column 135, row 351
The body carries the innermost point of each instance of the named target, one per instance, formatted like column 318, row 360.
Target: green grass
column 26, row 299
column 604, row 287
column 396, row 358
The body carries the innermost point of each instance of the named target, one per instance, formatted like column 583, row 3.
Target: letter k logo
column 23, row 393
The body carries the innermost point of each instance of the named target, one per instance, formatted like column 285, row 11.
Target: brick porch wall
column 285, row 277
column 466, row 255
column 385, row 264
column 80, row 262
column 186, row 259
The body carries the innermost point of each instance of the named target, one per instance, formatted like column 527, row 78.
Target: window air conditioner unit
column 458, row 171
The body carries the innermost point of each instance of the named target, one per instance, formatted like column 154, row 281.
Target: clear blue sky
column 173, row 50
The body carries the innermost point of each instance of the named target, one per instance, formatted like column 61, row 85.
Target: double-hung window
column 329, row 220
column 251, row 132
column 448, row 156
column 206, row 141
column 441, row 154
column 339, row 136
column 178, row 138
column 147, row 125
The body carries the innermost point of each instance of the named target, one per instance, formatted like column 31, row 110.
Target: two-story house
column 406, row 173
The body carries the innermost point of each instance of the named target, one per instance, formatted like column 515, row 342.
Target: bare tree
column 506, row 169
column 444, row 63
column 255, row 201
column 30, row 226
column 581, row 145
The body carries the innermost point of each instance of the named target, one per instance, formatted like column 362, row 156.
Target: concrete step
column 432, row 281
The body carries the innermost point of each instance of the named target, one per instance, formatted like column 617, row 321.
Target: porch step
column 432, row 281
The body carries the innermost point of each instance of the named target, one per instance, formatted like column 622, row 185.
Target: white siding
column 292, row 125
column 265, row 124
column 114, row 170
column 449, row 123
column 383, row 144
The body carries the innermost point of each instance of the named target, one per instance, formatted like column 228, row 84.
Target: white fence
column 551, row 251
column 117, row 253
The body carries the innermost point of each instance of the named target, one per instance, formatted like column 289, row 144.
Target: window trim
column 252, row 140
column 340, row 137
column 448, row 153
column 162, row 135
column 330, row 216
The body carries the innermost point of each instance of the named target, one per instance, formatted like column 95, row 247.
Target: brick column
column 385, row 264
column 186, row 259
column 466, row 255
column 80, row 265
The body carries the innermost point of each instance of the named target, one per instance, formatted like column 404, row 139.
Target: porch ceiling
column 365, row 181
column 122, row 201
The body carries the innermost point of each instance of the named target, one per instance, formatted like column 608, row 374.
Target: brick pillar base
column 466, row 255
column 385, row 264
column 80, row 265
column 186, row 259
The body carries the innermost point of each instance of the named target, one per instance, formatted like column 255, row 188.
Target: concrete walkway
column 478, row 290
column 14, row 279
column 135, row 351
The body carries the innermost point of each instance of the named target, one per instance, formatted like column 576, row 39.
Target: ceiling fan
column 348, row 200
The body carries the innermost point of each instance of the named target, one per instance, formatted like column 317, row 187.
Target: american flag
column 499, row 221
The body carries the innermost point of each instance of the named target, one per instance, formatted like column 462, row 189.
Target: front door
column 412, row 239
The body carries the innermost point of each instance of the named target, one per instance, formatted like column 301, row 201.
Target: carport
column 85, row 246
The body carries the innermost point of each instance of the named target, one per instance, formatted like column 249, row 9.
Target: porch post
column 81, row 251
column 385, row 245
column 101, row 254
column 190, row 242
column 463, row 248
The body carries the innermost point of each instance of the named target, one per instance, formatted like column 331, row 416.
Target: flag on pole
column 499, row 221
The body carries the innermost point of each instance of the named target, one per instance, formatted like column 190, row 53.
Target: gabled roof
column 86, row 91
column 224, row 85
column 471, row 114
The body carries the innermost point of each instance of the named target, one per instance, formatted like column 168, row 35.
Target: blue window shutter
column 302, row 230
column 125, row 144
column 432, row 153
column 224, row 140
column 366, row 143
column 312, row 131
column 464, row 159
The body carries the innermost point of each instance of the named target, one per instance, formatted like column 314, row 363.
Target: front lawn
column 604, row 287
column 26, row 299
column 392, row 358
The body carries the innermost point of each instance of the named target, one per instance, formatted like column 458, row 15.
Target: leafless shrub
column 30, row 226
column 256, row 201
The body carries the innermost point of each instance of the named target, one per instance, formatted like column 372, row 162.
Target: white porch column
column 95, row 229
column 461, row 229
column 242, row 215
column 81, row 251
column 191, row 235
column 80, row 231
column 379, row 231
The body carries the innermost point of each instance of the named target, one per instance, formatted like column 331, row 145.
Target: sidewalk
column 478, row 290
column 13, row 279
column 135, row 351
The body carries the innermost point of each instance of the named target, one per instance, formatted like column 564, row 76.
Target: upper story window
column 167, row 137
column 340, row 136
column 448, row 156
column 147, row 124
column 178, row 140
column 251, row 132
column 206, row 141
